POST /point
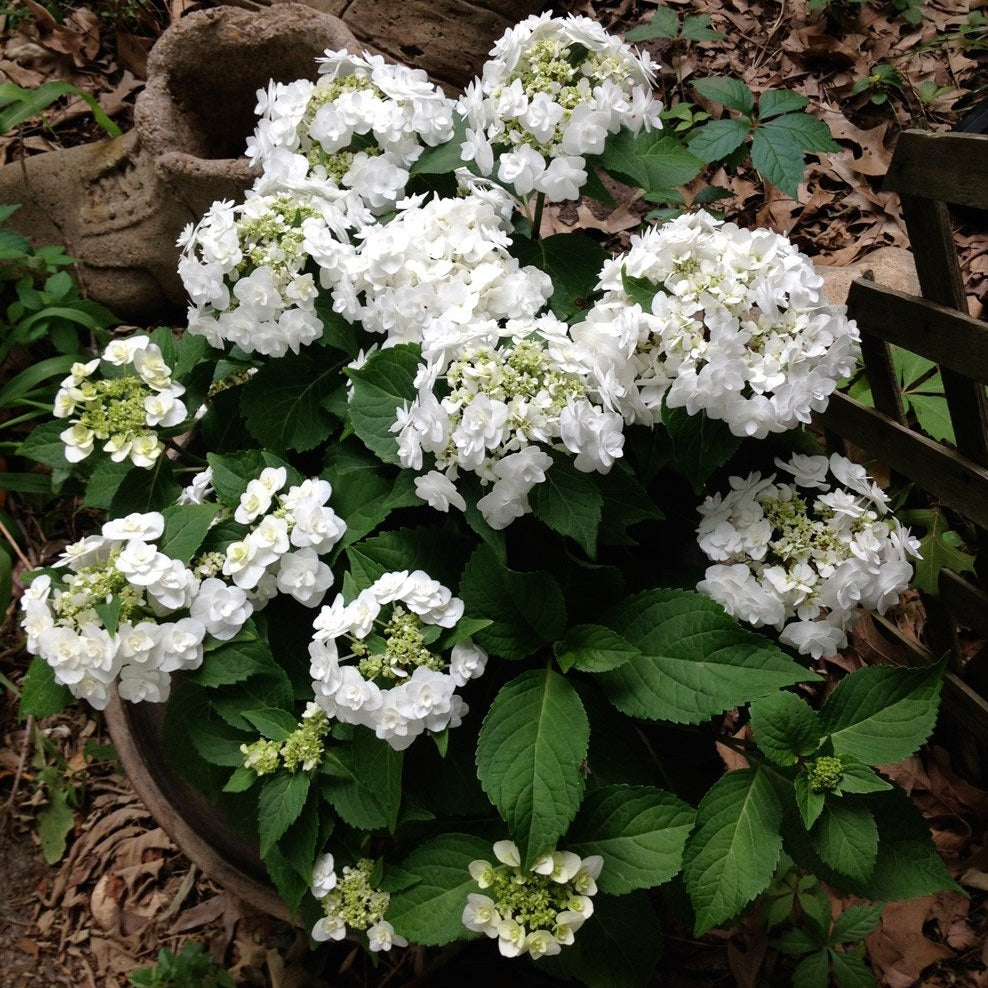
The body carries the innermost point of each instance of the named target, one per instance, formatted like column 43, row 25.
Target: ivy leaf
column 283, row 403
column 529, row 754
column 640, row 831
column 569, row 502
column 695, row 661
column 881, row 715
column 732, row 854
column 728, row 91
column 936, row 549
column 429, row 909
column 785, row 727
column 573, row 261
column 384, row 383
column 846, row 838
column 593, row 648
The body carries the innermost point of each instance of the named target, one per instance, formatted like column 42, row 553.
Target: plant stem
column 537, row 218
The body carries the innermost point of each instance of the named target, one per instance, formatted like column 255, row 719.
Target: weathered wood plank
column 952, row 339
column 947, row 474
column 948, row 167
column 968, row 602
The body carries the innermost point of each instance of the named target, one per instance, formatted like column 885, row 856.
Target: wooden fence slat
column 947, row 167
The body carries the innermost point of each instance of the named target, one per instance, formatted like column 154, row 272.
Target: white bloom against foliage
column 388, row 673
column 533, row 912
column 551, row 93
column 710, row 317
column 502, row 407
column 809, row 557
column 122, row 413
column 253, row 271
column 359, row 126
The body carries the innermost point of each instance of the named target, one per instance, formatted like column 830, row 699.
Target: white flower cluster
column 251, row 270
column 288, row 533
column 389, row 678
column 360, row 126
column 350, row 901
column 121, row 412
column 532, row 912
column 505, row 406
column 807, row 557
column 439, row 273
column 737, row 328
column 552, row 91
column 119, row 570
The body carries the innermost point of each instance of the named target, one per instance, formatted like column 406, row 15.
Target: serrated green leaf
column 365, row 789
column 273, row 723
column 384, row 384
column 283, row 403
column 851, row 971
column 700, row 444
column 778, row 158
column 639, row 831
column 527, row 610
column 55, row 823
column 775, row 102
column 812, row 971
column 529, row 754
column 618, row 948
column 281, row 803
column 429, row 910
column 241, row 780
column 569, row 502
column 881, row 715
column 573, row 261
column 785, row 727
column 186, row 526
column 41, row 696
column 936, row 552
column 857, row 922
column 846, row 838
column 425, row 548
column 810, row 803
column 651, row 160
column 444, row 157
column 794, row 941
column 234, row 662
column 697, row 27
column 732, row 854
column 858, row 778
column 153, row 489
column 726, row 90
column 696, row 661
column 104, row 481
column 933, row 415
column 716, row 139
column 664, row 23
column 593, row 648
column 44, row 446
column 298, row 843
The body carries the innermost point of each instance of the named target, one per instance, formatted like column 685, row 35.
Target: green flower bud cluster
column 96, row 585
column 274, row 239
column 354, row 900
column 824, row 774
column 404, row 649
column 303, row 748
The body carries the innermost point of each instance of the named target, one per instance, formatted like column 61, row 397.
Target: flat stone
column 892, row 267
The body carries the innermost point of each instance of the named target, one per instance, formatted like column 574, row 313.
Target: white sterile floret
column 121, row 412
column 807, row 558
column 504, row 407
column 537, row 911
column 374, row 661
column 702, row 315
column 360, row 126
column 251, row 270
column 439, row 273
column 551, row 93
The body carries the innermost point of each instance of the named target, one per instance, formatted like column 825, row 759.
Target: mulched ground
column 122, row 890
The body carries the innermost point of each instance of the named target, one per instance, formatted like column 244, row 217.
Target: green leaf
column 22, row 104
column 283, row 402
column 652, row 160
column 146, row 490
column 569, row 502
column 234, row 662
column 794, row 941
column 618, row 947
column 696, row 661
column 366, row 789
column 289, row 884
column 186, row 526
column 697, row 27
column 28, row 379
column 103, row 483
column 55, row 823
column 846, row 838
column 529, row 754
column 384, row 383
column 779, row 147
column 881, row 715
column 858, row 778
column 732, row 854
column 241, row 780
column 573, row 261
column 527, row 610
column 273, row 723
column 41, row 696
column 626, row 503
column 425, row 548
column 775, row 102
column 592, row 648
column 936, row 551
column 730, row 92
column 232, row 473
column 785, row 727
column 700, row 444
column 810, row 803
column 851, row 971
column 430, row 911
column 282, row 800
column 933, row 415
column 812, row 971
column 717, row 139
column 639, row 831
column 857, row 922
column 44, row 446
column 664, row 23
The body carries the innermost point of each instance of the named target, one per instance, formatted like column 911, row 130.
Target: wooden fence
column 930, row 173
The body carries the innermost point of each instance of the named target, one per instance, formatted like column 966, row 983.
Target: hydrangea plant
column 403, row 525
